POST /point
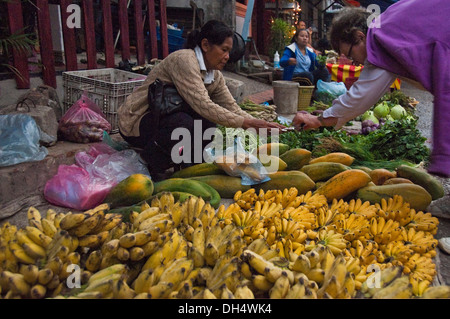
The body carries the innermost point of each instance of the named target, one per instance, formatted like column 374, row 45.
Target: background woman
column 300, row 61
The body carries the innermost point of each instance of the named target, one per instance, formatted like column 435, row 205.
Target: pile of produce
column 260, row 111
column 317, row 229
column 265, row 245
column 394, row 143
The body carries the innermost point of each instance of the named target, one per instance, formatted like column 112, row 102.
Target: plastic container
column 108, row 88
column 276, row 60
column 304, row 97
column 285, row 96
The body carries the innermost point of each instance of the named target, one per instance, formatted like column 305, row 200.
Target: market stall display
column 281, row 241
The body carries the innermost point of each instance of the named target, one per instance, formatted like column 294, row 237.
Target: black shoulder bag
column 163, row 100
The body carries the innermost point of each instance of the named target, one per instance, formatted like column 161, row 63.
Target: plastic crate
column 174, row 39
column 108, row 88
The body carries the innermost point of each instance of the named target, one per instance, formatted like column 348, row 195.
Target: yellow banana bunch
column 301, row 290
column 419, row 286
column 243, row 292
column 302, row 215
column 264, row 267
column 400, row 288
column 436, row 292
column 338, row 282
column 352, row 227
column 366, row 253
column 419, row 241
column 280, row 287
column 339, row 206
column 174, row 247
column 225, row 272
column 384, row 230
column 380, row 279
column 224, row 214
column 397, row 253
column 288, row 196
column 267, row 209
column 324, row 217
column 421, row 221
column 283, row 229
column 365, row 209
column 309, row 200
column 393, row 208
column 420, row 267
column 251, row 224
column 334, row 241
column 34, row 218
column 246, row 199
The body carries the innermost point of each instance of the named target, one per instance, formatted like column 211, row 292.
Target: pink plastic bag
column 86, row 184
column 73, row 187
column 84, row 122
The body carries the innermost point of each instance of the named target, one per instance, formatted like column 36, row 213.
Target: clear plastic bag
column 84, row 122
column 236, row 161
column 327, row 91
column 86, row 184
column 20, row 140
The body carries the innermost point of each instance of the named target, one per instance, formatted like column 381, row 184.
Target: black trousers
column 158, row 149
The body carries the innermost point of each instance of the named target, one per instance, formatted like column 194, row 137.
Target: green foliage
column 280, row 35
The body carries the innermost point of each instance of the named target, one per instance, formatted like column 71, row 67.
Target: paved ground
column 439, row 208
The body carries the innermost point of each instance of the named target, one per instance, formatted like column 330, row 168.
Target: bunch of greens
column 399, row 139
column 393, row 144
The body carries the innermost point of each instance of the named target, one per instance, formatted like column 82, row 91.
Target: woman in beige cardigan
column 195, row 73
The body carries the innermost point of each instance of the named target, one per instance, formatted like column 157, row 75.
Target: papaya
column 363, row 168
column 131, row 190
column 198, row 170
column 381, row 175
column 296, row 158
column 323, row 170
column 272, row 163
column 417, row 196
column 337, row 157
column 287, row 179
column 343, row 184
column 187, row 185
column 276, row 149
column 225, row 185
column 423, row 178
column 397, row 180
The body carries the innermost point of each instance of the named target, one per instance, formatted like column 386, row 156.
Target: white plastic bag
column 19, row 140
column 236, row 161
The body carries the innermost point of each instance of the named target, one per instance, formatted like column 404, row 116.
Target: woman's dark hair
column 345, row 24
column 294, row 37
column 214, row 31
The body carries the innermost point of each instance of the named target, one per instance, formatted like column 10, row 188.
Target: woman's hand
column 261, row 124
column 292, row 61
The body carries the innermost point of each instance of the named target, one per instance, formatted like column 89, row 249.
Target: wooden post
column 20, row 61
column 124, row 30
column 89, row 28
column 108, row 34
column 139, row 26
column 70, row 48
column 46, row 45
column 152, row 29
column 163, row 28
